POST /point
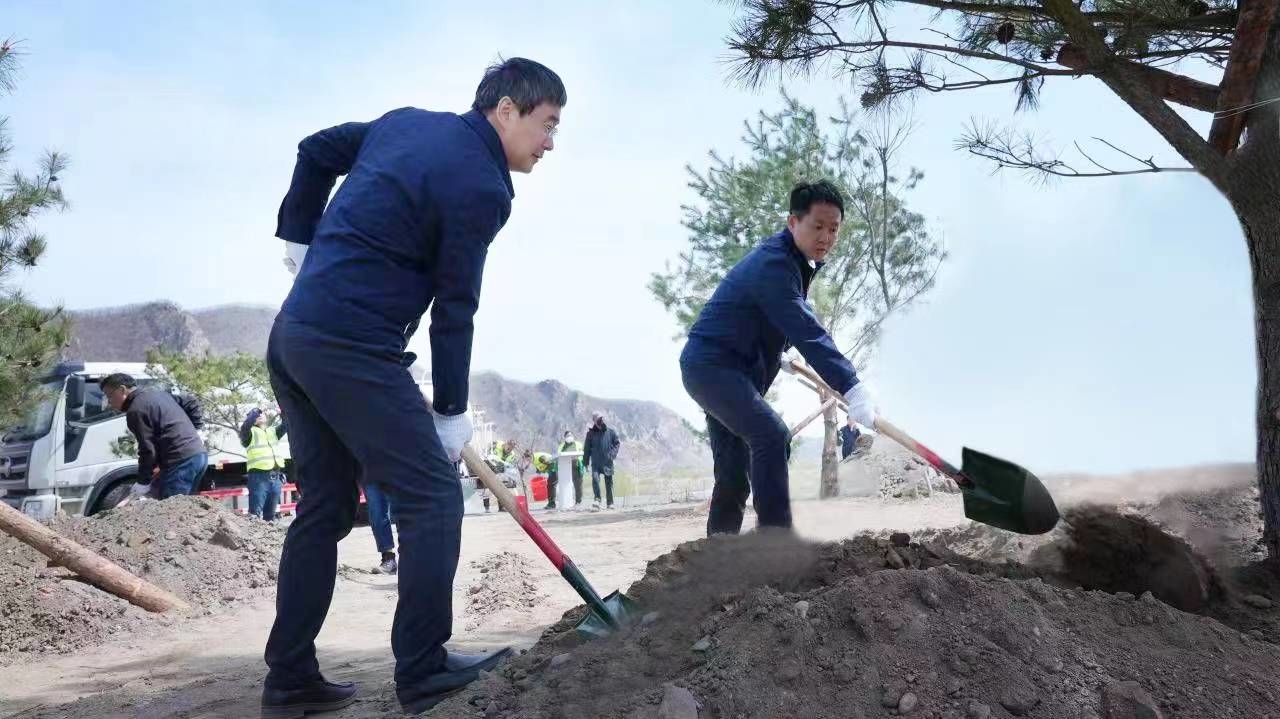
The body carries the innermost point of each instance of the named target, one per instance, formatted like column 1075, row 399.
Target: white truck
column 62, row 458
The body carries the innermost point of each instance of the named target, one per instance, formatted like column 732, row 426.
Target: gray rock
column 894, row 560
column 1019, row 702
column 908, row 703
column 892, row 693
column 1257, row 601
column 802, row 609
column 1128, row 700
column 702, row 644
column 170, row 535
column 559, row 659
column 978, row 710
column 227, row 535
column 900, row 539
column 954, row 687
column 677, row 703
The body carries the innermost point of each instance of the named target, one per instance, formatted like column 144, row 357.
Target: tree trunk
column 1263, row 237
column 1254, row 187
column 830, row 486
column 97, row 570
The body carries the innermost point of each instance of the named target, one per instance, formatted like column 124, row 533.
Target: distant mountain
column 125, row 334
column 656, row 441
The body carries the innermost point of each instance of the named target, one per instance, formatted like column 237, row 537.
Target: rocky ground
column 1121, row 612
column 191, row 546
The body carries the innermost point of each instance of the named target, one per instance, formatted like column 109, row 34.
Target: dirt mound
column 192, row 546
column 505, row 585
column 767, row 626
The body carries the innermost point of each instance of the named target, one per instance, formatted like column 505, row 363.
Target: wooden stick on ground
column 97, row 570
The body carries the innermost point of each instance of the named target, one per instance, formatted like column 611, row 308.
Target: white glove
column 791, row 355
column 861, row 405
column 139, row 490
column 454, row 431
column 294, row 253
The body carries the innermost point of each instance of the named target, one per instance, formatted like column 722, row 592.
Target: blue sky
column 1092, row 325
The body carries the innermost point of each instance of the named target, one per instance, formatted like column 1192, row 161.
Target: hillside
column 656, row 440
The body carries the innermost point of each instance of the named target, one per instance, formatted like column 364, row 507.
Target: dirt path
column 212, row 667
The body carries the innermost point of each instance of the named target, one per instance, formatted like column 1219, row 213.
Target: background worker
column 264, row 462
column 171, row 454
column 600, row 448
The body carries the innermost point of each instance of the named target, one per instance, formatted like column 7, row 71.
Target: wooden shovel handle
column 491, row 482
column 883, row 426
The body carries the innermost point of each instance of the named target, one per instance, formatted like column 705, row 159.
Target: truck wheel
column 113, row 497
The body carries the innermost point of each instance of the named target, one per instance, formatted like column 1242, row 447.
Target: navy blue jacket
column 425, row 194
column 759, row 310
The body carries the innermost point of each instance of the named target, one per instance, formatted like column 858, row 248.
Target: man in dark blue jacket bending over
column 425, row 194
column 734, row 353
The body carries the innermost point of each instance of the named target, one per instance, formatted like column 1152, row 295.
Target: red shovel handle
column 883, row 426
column 507, row 501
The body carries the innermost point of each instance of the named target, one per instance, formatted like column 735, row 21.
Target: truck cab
column 62, row 456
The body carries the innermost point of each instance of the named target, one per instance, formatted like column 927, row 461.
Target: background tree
column 227, row 387
column 885, row 257
column 1128, row 45
column 30, row 337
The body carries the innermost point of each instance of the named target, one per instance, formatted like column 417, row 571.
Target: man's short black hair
column 807, row 194
column 119, row 379
column 526, row 82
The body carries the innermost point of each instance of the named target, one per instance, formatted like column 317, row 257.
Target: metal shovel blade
column 1006, row 496
column 622, row 609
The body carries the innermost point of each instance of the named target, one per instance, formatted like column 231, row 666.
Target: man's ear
column 792, row 221
column 505, row 112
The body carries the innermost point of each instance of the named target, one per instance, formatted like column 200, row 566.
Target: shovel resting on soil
column 996, row 492
column 603, row 615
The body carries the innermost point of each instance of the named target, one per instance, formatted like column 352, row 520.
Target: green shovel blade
column 621, row 607
column 1006, row 496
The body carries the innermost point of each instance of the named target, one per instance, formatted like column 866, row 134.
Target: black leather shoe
column 434, row 689
column 485, row 662
column 320, row 696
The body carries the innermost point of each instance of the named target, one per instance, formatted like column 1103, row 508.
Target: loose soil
column 191, row 546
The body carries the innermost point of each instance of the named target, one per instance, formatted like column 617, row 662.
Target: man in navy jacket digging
column 735, row 350
column 425, row 194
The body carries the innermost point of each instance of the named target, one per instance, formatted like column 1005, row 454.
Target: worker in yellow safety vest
column 264, row 462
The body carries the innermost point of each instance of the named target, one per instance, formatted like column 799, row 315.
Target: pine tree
column 885, row 257
column 30, row 337
column 1143, row 51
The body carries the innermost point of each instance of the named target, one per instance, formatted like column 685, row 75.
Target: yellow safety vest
column 262, row 454
column 542, row 461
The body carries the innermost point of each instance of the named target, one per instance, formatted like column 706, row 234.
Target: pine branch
column 1009, row 152
column 1126, row 81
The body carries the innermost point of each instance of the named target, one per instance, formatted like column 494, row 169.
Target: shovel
column 604, row 615
column 996, row 492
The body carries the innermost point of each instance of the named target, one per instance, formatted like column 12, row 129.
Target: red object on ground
column 538, row 486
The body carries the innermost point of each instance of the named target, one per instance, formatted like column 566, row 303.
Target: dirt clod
column 1128, row 700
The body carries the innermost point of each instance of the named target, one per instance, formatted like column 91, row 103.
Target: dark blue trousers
column 750, row 446
column 355, row 412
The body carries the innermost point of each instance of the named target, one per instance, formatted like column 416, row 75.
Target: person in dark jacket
column 425, row 195
column 170, row 449
column 849, row 438
column 599, row 449
column 264, row 462
column 734, row 352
